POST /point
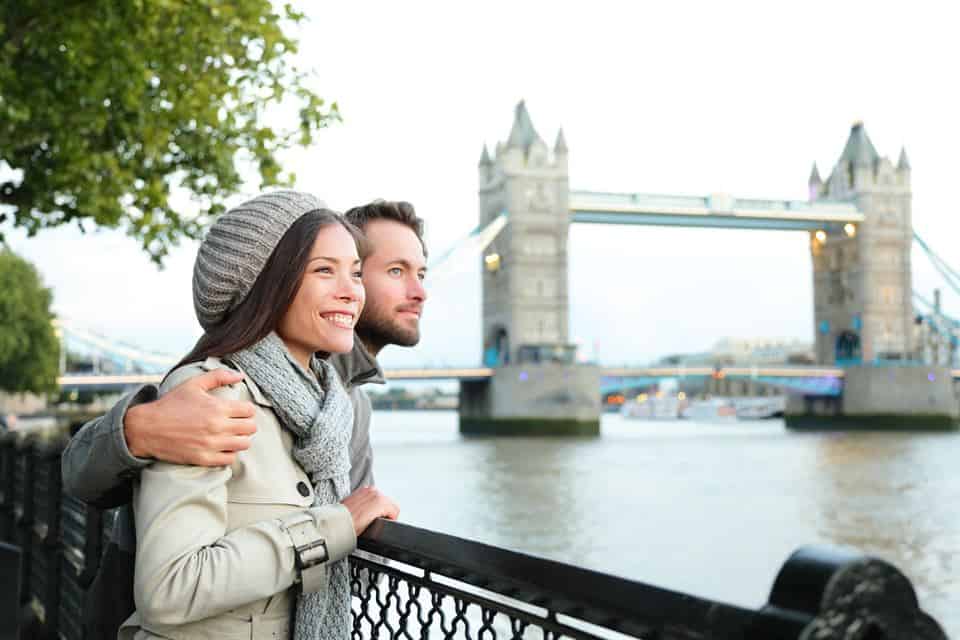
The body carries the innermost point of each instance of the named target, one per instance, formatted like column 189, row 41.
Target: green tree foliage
column 29, row 349
column 106, row 106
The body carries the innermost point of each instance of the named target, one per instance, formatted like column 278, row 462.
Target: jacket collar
column 357, row 367
column 259, row 397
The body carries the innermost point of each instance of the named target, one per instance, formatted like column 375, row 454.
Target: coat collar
column 258, row 396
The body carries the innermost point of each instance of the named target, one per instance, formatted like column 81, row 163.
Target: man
column 189, row 425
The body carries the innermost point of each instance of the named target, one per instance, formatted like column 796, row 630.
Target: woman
column 240, row 551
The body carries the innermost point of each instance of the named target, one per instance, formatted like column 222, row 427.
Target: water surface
column 713, row 509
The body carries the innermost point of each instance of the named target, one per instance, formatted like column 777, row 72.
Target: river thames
column 713, row 509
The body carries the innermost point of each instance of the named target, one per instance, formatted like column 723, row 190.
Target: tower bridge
column 859, row 223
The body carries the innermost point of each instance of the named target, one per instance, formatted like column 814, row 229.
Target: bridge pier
column 536, row 399
column 882, row 398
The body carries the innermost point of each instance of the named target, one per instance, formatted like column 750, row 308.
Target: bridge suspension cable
column 112, row 349
column 446, row 263
column 943, row 268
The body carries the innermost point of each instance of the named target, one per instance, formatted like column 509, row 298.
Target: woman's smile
column 341, row 319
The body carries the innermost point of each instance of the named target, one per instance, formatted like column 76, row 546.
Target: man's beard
column 376, row 328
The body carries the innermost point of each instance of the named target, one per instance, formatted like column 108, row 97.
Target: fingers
column 233, row 444
column 217, row 378
column 366, row 504
column 203, row 458
column 238, row 408
column 221, row 459
column 391, row 512
column 242, row 427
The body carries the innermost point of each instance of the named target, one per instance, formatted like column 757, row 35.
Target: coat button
column 303, row 489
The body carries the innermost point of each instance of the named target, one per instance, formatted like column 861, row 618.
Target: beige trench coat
column 215, row 545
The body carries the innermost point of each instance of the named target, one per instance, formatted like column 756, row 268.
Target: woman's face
column 330, row 298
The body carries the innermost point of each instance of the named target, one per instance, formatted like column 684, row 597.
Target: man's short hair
column 396, row 210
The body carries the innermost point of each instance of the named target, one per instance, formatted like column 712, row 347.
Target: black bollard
column 848, row 596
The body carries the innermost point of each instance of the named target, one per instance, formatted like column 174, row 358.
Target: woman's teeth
column 340, row 319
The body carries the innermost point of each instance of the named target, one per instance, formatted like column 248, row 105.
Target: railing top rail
column 611, row 601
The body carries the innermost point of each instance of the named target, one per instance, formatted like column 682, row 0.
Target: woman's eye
column 323, row 270
column 358, row 274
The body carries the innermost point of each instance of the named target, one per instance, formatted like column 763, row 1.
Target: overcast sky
column 676, row 97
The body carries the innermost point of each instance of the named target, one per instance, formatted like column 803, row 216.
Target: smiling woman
column 319, row 254
column 239, row 551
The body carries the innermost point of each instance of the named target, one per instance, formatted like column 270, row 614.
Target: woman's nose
column 350, row 290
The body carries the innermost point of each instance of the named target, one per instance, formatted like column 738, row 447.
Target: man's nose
column 416, row 290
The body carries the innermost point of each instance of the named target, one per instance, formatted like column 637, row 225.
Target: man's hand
column 189, row 425
column 366, row 504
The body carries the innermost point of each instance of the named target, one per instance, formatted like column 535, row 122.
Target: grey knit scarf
column 314, row 406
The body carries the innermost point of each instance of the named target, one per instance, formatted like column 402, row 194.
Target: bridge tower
column 537, row 386
column 863, row 303
column 863, row 307
column 525, row 306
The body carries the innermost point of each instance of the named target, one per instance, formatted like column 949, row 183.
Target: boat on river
column 666, row 407
column 760, row 408
column 715, row 408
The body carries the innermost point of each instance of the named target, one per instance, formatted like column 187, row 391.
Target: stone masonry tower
column 537, row 387
column 525, row 307
column 862, row 283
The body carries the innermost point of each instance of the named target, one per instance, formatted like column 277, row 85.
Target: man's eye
column 395, row 271
column 422, row 276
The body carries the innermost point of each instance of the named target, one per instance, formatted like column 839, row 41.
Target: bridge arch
column 847, row 348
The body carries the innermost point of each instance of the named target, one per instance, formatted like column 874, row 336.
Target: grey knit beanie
column 237, row 247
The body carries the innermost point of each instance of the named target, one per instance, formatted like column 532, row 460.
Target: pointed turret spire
column 815, row 176
column 522, row 134
column 859, row 150
column 561, row 145
column 485, row 160
column 903, row 164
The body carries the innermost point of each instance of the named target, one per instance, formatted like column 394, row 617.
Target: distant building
column 738, row 351
column 936, row 336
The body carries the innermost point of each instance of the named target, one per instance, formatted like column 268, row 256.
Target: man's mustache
column 414, row 308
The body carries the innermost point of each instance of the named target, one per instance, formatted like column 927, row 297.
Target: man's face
column 393, row 276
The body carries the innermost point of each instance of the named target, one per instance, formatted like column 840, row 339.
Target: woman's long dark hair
column 274, row 290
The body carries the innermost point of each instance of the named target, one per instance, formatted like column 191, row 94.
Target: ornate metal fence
column 410, row 583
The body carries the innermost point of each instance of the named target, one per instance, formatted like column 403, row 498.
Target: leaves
column 29, row 349
column 107, row 107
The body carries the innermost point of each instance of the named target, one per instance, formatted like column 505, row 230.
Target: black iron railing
column 412, row 583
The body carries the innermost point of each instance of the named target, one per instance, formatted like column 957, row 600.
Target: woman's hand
column 366, row 504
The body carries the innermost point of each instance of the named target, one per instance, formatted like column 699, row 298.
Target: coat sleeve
column 361, row 453
column 97, row 466
column 188, row 567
